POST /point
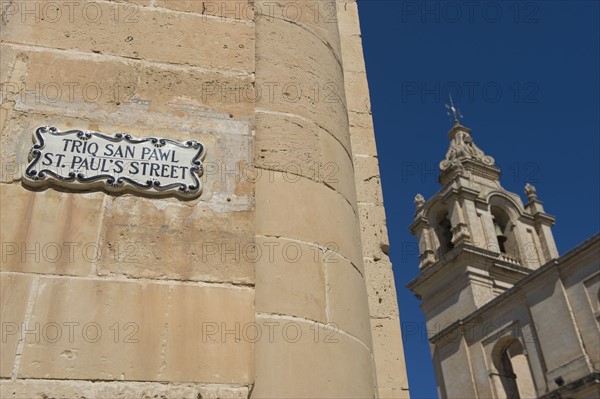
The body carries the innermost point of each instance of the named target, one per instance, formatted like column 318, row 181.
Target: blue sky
column 526, row 78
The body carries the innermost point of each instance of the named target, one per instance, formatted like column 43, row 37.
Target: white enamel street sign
column 83, row 160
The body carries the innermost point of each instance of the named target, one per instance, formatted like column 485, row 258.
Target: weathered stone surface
column 361, row 134
column 389, row 354
column 373, row 230
column 381, row 288
column 61, row 82
column 337, row 169
column 195, row 6
column 292, row 279
column 347, row 301
column 137, row 331
column 157, row 242
column 331, row 363
column 308, row 83
column 368, row 180
column 288, row 144
column 352, row 54
column 347, row 15
column 4, row 111
column 231, row 9
column 177, row 38
column 319, row 214
column 15, row 146
column 14, row 296
column 104, row 330
column 65, row 389
column 319, row 18
column 357, row 92
column 393, row 393
column 296, row 146
column 50, row 231
column 142, row 3
column 7, row 68
column 194, row 351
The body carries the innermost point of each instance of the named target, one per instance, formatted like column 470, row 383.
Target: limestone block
column 348, row 22
column 14, row 295
column 171, row 240
column 393, row 393
column 362, row 135
column 15, row 143
column 92, row 329
column 65, row 389
column 296, row 146
column 177, row 38
column 313, row 213
column 195, row 6
column 195, row 351
column 4, row 111
column 357, row 92
column 288, row 144
column 363, row 141
column 7, row 66
column 368, row 180
column 143, row 3
column 230, row 9
column 319, row 18
column 389, row 354
column 327, row 363
column 304, row 79
column 352, row 54
column 137, row 331
column 291, row 278
column 337, row 169
column 348, row 306
column 381, row 288
column 556, row 344
column 64, row 84
column 50, row 231
column 453, row 361
column 243, row 10
column 373, row 230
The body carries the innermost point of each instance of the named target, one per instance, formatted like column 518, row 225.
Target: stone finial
column 530, row 192
column 419, row 200
column 462, row 148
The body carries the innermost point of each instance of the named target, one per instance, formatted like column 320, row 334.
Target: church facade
column 267, row 278
column 507, row 317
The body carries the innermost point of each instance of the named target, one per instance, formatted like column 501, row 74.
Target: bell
column 501, row 237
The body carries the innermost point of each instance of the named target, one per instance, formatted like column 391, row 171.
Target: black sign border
column 38, row 177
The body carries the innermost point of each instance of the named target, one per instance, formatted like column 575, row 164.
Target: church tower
column 476, row 239
column 506, row 317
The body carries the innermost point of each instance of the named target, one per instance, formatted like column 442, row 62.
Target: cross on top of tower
column 453, row 111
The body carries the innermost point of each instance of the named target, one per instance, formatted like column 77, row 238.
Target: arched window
column 514, row 375
column 504, row 229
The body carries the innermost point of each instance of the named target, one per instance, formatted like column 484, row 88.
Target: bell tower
column 476, row 239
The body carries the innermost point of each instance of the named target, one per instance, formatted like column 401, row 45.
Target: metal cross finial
column 453, row 111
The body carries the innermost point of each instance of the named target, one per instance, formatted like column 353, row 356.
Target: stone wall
column 275, row 282
column 552, row 314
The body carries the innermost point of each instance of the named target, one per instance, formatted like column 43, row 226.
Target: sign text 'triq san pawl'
column 84, row 160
